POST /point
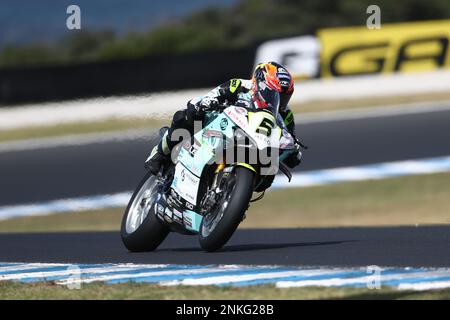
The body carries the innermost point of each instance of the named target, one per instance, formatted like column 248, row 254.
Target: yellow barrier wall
column 402, row 47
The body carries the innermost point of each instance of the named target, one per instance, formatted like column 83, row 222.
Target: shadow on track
column 262, row 246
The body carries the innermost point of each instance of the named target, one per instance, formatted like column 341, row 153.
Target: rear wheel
column 219, row 225
column 141, row 230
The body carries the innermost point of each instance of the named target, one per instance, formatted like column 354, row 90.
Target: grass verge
column 80, row 128
column 95, row 291
column 411, row 200
column 422, row 199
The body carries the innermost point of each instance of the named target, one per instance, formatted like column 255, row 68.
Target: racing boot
column 159, row 155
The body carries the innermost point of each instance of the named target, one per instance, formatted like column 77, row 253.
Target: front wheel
column 141, row 230
column 219, row 225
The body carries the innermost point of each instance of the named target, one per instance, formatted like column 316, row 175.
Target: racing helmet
column 276, row 76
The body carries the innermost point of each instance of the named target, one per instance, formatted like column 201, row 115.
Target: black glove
column 294, row 159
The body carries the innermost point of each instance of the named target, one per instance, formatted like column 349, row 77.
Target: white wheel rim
column 141, row 205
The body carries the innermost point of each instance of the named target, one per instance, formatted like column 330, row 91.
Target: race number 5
column 266, row 125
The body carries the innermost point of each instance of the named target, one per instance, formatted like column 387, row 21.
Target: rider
column 237, row 92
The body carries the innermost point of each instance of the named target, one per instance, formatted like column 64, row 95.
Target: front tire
column 215, row 233
column 142, row 231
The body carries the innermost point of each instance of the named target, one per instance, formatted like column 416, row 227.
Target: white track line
column 24, row 267
column 421, row 286
column 145, row 274
column 360, row 280
column 217, row 280
column 157, row 105
column 67, row 272
column 364, row 172
column 66, row 205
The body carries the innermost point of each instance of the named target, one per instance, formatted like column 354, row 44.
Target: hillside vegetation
column 244, row 24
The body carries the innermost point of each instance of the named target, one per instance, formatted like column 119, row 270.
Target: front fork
column 215, row 191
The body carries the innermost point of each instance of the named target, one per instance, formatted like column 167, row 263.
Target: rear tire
column 238, row 201
column 150, row 233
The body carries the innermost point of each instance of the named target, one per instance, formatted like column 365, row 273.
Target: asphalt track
column 399, row 246
column 99, row 168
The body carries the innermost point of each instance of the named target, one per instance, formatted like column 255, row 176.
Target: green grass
column 98, row 220
column 80, row 128
column 95, row 291
column 411, row 200
column 422, row 199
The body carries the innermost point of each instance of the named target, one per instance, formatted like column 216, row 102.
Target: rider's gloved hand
column 294, row 159
column 208, row 103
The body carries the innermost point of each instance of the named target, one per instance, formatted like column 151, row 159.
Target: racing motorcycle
column 207, row 187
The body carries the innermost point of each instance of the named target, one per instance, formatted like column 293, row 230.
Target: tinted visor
column 270, row 98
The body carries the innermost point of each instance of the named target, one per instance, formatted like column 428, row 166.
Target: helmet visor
column 270, row 99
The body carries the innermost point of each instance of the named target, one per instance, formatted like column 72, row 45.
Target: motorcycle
column 208, row 186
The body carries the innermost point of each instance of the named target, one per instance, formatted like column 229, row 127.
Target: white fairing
column 239, row 116
column 185, row 183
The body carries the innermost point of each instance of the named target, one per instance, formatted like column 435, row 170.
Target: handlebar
column 303, row 146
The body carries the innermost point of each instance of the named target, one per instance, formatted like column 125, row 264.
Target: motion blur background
column 79, row 108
